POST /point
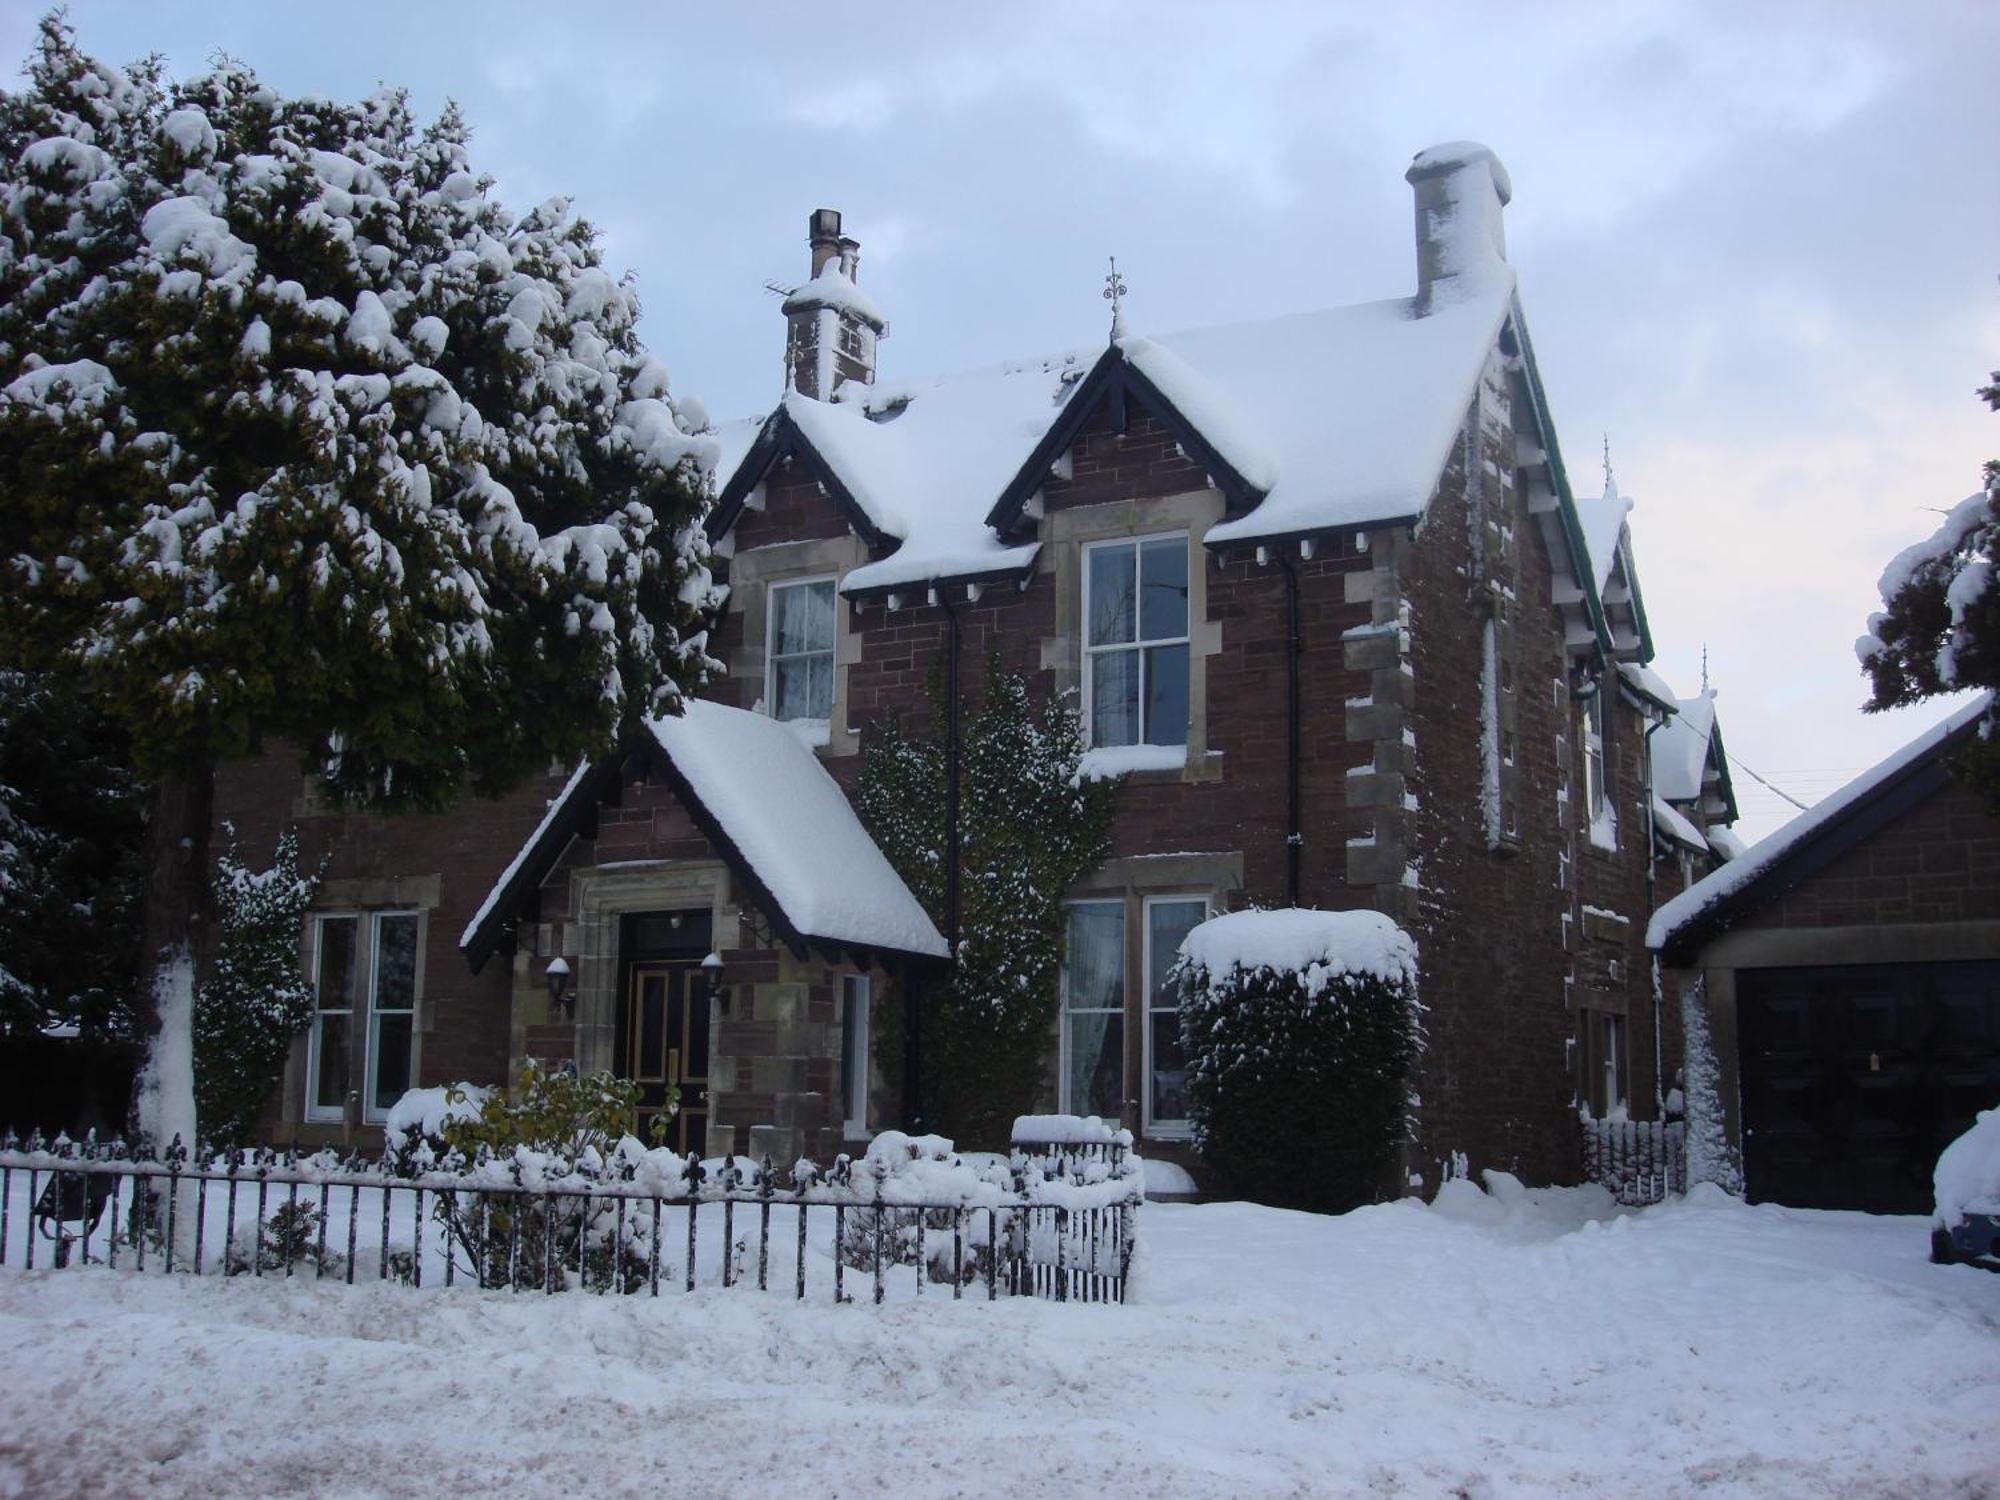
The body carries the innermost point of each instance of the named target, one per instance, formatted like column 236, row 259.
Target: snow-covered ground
column 1542, row 1344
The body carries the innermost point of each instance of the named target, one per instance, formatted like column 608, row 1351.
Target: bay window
column 365, row 972
column 1135, row 653
column 1169, row 919
column 1093, row 996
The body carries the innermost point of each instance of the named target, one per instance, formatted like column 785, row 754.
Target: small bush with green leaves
column 1301, row 1030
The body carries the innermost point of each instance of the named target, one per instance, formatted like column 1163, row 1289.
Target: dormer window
column 1135, row 655
column 798, row 677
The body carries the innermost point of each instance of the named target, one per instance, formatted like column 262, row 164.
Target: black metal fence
column 1638, row 1161
column 1050, row 1221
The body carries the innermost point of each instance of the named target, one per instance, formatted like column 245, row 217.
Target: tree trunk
column 175, row 937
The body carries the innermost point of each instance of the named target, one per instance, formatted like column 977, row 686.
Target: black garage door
column 1855, row 1077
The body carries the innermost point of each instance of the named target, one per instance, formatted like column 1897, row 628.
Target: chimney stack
column 1461, row 193
column 831, row 325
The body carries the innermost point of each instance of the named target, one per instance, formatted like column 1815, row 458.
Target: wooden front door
column 665, row 1046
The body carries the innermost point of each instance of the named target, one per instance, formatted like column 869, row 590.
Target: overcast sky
column 1757, row 244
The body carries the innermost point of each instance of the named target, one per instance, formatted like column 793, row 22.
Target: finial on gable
column 1610, row 484
column 1114, row 293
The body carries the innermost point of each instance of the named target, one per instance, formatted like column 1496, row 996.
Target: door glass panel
column 694, row 1051
column 1169, row 1102
column 651, row 1062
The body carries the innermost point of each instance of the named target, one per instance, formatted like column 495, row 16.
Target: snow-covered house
column 1845, row 972
column 1331, row 611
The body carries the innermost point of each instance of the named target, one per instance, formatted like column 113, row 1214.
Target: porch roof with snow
column 768, row 807
column 1811, row 841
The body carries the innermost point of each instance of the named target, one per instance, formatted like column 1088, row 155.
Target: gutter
column 1294, row 649
column 1653, row 905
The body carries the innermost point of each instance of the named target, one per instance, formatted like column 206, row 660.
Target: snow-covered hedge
column 1301, row 1028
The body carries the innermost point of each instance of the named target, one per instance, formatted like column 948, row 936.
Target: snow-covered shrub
column 256, row 998
column 1301, row 1029
column 1030, row 829
column 551, row 1127
column 288, row 1239
column 910, row 1235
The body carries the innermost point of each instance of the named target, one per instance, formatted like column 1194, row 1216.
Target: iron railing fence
column 1031, row 1227
column 1638, row 1161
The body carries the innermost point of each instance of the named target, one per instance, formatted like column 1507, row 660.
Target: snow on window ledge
column 1119, row 760
column 1604, row 829
column 814, row 734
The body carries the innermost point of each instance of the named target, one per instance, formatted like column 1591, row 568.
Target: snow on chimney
column 831, row 325
column 1461, row 192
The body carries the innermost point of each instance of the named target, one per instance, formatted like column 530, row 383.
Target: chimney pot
column 823, row 234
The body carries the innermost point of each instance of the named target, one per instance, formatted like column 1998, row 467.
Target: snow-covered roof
column 925, row 461
column 1708, row 900
column 770, row 798
column 1680, row 751
column 1643, row 680
column 1603, row 519
column 1676, row 827
column 1348, row 416
column 1337, row 419
column 765, row 802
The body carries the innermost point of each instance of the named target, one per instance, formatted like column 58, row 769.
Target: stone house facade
column 1335, row 620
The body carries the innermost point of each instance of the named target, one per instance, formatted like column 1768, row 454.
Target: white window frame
column 855, row 1105
column 1123, row 1010
column 1159, row 1129
column 1139, row 642
column 832, row 653
column 363, row 1051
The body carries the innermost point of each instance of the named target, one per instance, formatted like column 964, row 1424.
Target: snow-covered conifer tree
column 1939, row 627
column 305, row 439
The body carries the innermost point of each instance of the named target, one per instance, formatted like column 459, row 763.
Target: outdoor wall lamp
column 718, row 993
column 562, row 999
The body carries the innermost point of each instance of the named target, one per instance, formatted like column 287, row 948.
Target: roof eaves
column 1114, row 378
column 575, row 815
column 1572, row 525
column 781, row 437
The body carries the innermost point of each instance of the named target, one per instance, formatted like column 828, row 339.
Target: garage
column 1840, row 986
column 1854, row 1077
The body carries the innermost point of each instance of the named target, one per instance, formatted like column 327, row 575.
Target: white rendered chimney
column 1461, row 191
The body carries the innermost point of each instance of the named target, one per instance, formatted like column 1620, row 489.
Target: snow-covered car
column 1966, row 1226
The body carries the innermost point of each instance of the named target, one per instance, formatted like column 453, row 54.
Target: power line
column 1763, row 783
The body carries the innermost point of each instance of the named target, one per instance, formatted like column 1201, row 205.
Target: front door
column 665, row 1047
